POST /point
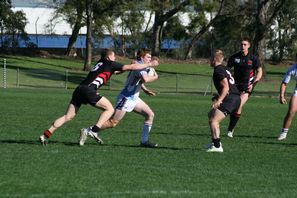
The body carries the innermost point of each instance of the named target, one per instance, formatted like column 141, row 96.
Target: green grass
column 254, row 163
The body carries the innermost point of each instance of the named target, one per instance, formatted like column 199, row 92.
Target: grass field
column 254, row 163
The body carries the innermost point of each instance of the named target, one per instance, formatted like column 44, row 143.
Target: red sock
column 47, row 134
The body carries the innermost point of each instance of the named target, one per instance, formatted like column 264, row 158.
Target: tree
column 266, row 13
column 281, row 38
column 200, row 21
column 12, row 24
column 163, row 10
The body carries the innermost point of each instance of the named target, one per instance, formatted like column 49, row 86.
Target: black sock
column 233, row 121
column 216, row 142
column 95, row 129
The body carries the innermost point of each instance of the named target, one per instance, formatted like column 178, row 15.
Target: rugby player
column 86, row 92
column 129, row 100
column 292, row 72
column 247, row 72
column 226, row 102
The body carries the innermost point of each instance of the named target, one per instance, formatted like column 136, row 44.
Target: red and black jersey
column 101, row 73
column 220, row 73
column 244, row 69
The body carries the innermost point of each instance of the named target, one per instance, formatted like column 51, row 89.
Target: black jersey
column 221, row 72
column 244, row 69
column 101, row 73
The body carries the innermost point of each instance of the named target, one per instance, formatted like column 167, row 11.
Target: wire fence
column 167, row 82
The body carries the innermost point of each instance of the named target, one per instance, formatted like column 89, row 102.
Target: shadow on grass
column 36, row 142
column 255, row 136
column 278, row 143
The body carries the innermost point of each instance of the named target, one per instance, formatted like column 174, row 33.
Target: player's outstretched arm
column 137, row 66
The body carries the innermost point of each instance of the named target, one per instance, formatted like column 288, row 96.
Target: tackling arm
column 136, row 66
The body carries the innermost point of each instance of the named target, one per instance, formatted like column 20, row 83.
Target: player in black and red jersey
column 226, row 102
column 86, row 92
column 247, row 73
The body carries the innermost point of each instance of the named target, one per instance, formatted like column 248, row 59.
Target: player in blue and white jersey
column 129, row 100
column 87, row 92
column 291, row 73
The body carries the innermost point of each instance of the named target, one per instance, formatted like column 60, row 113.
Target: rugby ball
column 151, row 71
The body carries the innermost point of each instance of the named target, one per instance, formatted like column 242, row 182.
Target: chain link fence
column 167, row 82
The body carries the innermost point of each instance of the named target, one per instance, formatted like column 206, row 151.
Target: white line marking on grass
column 87, row 194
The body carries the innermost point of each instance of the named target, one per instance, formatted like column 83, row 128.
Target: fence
column 167, row 82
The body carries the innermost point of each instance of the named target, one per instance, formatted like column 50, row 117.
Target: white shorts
column 294, row 93
column 126, row 103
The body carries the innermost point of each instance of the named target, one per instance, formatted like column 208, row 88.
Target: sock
column 216, row 142
column 47, row 133
column 284, row 130
column 95, row 129
column 145, row 132
column 233, row 121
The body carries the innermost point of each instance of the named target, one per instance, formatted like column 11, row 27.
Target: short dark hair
column 105, row 53
column 246, row 39
column 142, row 52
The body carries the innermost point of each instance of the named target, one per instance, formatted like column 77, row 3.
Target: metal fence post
column 18, row 78
column 4, row 73
column 66, row 78
column 176, row 82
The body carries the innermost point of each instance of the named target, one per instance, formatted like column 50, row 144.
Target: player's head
column 144, row 55
column 245, row 44
column 217, row 58
column 108, row 54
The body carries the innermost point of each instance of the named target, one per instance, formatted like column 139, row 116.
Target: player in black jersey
column 247, row 73
column 226, row 102
column 86, row 92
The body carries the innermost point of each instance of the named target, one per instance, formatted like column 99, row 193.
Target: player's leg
column 143, row 109
column 234, row 117
column 114, row 120
column 69, row 115
column 105, row 105
column 288, row 118
column 215, row 117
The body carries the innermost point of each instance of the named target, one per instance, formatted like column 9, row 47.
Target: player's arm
column 137, row 66
column 225, row 90
column 148, row 91
column 282, row 98
column 259, row 74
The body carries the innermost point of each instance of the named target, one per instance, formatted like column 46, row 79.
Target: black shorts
column 244, row 89
column 230, row 104
column 84, row 94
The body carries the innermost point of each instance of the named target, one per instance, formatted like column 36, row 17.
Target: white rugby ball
column 151, row 71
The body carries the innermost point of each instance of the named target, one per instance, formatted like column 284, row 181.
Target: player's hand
column 149, row 92
column 282, row 100
column 216, row 104
column 250, row 88
column 154, row 63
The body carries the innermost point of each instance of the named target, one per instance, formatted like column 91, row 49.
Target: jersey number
column 231, row 79
column 97, row 66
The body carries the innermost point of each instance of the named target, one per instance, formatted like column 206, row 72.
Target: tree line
column 270, row 24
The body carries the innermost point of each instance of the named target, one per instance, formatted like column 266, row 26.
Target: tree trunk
column 194, row 39
column 266, row 12
column 157, row 38
column 88, row 58
column 75, row 31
